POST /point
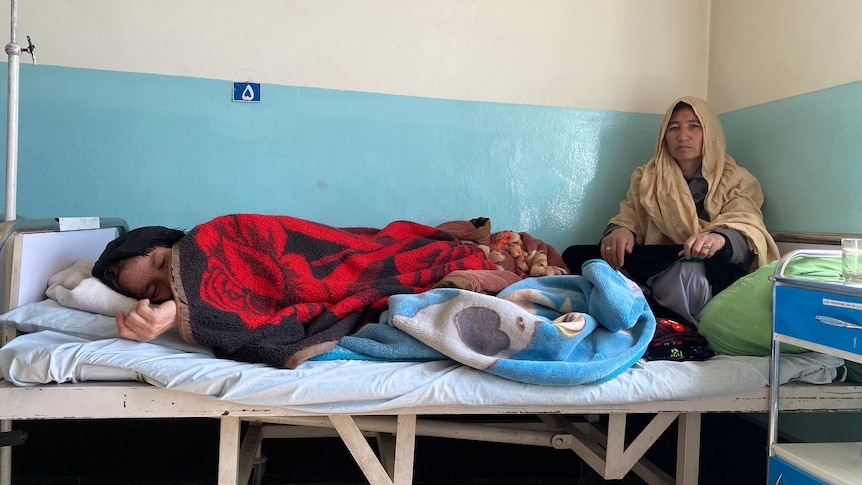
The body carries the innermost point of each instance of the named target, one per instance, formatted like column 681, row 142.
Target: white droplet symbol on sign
column 248, row 93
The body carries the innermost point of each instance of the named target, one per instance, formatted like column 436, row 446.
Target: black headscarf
column 137, row 242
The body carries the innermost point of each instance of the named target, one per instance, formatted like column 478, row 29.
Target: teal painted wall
column 176, row 151
column 806, row 152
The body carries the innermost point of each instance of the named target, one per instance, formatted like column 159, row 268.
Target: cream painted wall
column 621, row 55
column 766, row 50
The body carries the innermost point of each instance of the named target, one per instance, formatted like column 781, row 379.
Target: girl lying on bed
column 280, row 290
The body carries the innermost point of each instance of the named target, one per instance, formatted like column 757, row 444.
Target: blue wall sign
column 246, row 92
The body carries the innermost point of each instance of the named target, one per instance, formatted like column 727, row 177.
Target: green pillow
column 738, row 321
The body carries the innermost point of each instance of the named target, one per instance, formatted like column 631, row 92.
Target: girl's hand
column 144, row 323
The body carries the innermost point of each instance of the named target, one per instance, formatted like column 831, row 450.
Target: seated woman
column 691, row 222
column 279, row 290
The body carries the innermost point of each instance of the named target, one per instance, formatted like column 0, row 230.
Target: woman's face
column 148, row 276
column 684, row 137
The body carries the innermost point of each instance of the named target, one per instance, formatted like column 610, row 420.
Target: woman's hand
column 144, row 323
column 702, row 245
column 616, row 245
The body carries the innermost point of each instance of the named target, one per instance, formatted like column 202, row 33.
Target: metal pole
column 14, row 52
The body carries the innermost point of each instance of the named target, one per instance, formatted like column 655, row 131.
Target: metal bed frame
column 577, row 428
column 600, row 443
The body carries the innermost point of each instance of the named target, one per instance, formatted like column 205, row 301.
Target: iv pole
column 14, row 51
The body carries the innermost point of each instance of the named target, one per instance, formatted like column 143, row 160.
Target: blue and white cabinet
column 824, row 316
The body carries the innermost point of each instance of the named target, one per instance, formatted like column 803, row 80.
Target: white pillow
column 50, row 315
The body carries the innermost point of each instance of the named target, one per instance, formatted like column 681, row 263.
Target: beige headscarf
column 659, row 208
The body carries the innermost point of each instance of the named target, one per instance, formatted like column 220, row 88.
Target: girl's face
column 684, row 137
column 148, row 277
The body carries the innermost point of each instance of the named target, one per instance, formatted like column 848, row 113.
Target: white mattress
column 354, row 386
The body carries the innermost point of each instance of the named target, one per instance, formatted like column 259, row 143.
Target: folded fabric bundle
column 677, row 341
column 75, row 287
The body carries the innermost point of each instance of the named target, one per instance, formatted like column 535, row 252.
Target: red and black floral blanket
column 279, row 290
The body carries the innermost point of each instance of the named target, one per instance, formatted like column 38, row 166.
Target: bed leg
column 688, row 449
column 5, row 456
column 621, row 459
column 405, row 440
column 228, row 451
column 368, row 462
column 250, row 459
column 396, row 454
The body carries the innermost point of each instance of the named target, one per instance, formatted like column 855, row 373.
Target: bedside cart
column 823, row 315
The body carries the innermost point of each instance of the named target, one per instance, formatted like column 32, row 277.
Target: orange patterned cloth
column 518, row 252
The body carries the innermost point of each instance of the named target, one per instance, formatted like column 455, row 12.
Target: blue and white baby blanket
column 556, row 330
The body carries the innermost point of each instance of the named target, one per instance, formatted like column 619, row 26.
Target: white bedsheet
column 348, row 386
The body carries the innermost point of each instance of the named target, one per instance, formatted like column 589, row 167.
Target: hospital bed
column 67, row 366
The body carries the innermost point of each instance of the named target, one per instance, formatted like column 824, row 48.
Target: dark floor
column 185, row 452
